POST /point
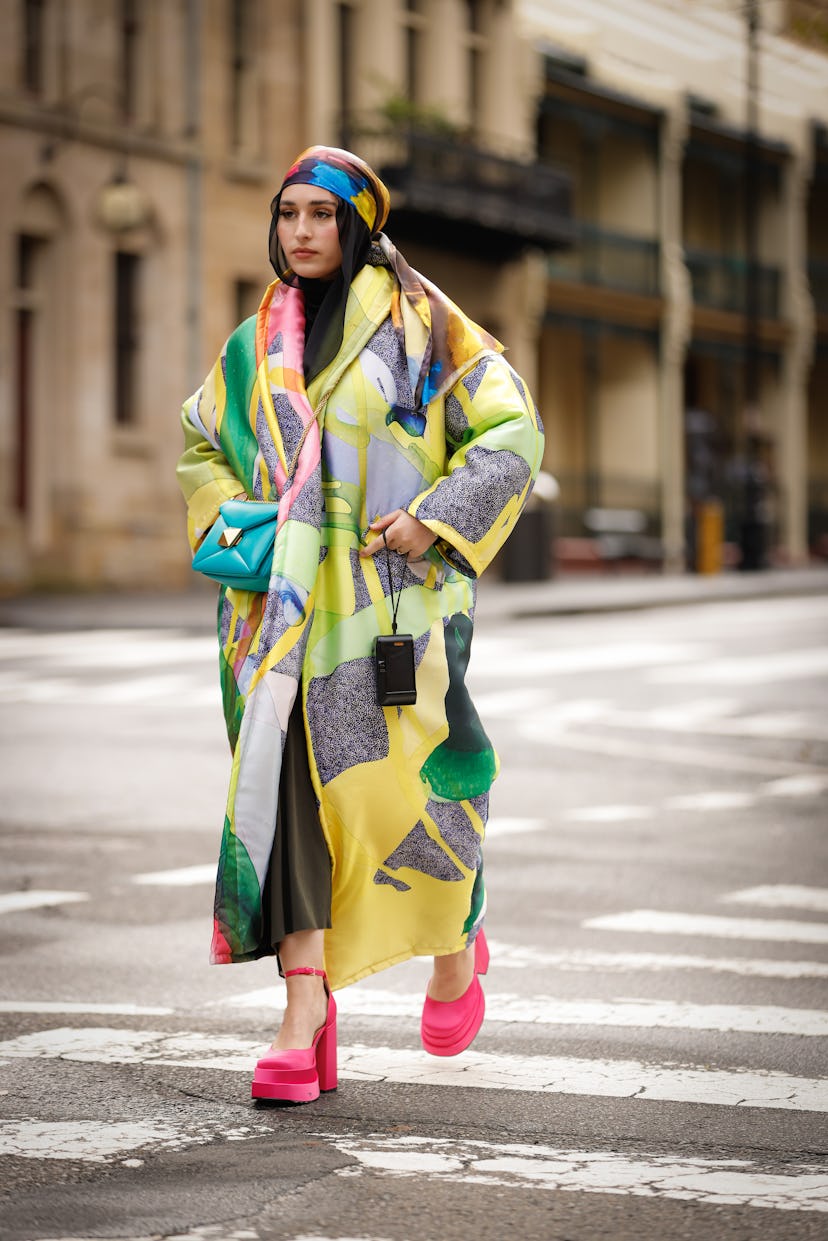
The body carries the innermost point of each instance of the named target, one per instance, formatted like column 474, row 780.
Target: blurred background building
column 633, row 196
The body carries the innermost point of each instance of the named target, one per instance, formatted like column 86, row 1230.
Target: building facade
column 138, row 169
column 574, row 174
column 683, row 354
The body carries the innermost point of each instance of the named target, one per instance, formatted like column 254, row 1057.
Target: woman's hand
column 404, row 534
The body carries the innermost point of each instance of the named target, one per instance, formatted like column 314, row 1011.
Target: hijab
column 362, row 209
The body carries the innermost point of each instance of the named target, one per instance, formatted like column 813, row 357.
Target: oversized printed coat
column 420, row 411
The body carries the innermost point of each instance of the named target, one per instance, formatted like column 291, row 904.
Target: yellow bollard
column 709, row 536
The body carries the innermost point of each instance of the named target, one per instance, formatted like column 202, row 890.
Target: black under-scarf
column 325, row 300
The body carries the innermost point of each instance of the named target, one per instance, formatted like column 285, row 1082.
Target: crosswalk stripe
column 721, row 799
column 705, row 801
column 736, row 1182
column 503, row 825
column 658, row 922
column 55, row 1007
column 747, row 669
column 510, row 1165
column 712, row 716
column 306, row 1236
column 549, row 1010
column 608, row 813
column 185, row 876
column 496, row 662
column 167, row 687
column 108, row 648
column 782, row 896
column 536, row 729
column 508, row 956
column 90, row 1141
column 796, row 786
column 96, row 1141
column 620, row 1079
column 16, row 902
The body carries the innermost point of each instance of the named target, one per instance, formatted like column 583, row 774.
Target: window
column 242, row 47
column 412, row 62
column 248, row 294
column 127, row 337
column 33, row 44
column 130, row 46
column 476, row 44
column 30, row 252
column 413, row 34
column 345, row 23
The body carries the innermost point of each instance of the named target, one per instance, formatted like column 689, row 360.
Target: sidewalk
column 194, row 609
column 620, row 592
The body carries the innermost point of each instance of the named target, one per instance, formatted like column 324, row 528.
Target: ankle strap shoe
column 297, row 1075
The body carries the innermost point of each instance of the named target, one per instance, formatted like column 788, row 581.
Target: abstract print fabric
column 419, row 411
column 342, row 173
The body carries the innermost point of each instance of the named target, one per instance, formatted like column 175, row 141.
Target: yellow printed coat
column 420, row 411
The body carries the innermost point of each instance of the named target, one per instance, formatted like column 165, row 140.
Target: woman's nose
column 303, row 226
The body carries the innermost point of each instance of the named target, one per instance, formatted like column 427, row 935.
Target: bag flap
column 247, row 514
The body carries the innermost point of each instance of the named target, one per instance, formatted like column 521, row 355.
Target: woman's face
column 308, row 232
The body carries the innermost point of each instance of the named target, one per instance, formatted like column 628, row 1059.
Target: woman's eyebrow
column 313, row 202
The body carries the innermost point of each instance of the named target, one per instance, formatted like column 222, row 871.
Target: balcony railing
column 463, row 193
column 611, row 260
column 818, row 281
column 720, row 282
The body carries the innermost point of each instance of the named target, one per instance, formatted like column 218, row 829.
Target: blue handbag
column 238, row 548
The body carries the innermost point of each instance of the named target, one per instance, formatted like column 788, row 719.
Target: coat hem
column 338, row 984
column 240, row 958
column 399, row 958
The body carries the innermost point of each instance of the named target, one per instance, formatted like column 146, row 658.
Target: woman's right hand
column 403, row 533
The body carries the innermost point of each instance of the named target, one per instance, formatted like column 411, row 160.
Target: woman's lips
column 304, row 254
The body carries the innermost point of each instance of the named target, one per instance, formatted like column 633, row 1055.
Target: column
column 320, row 73
column 445, row 69
column 520, row 303
column 378, row 48
column 675, row 336
column 792, row 428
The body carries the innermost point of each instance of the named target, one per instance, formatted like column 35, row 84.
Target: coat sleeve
column 205, row 475
column 494, row 443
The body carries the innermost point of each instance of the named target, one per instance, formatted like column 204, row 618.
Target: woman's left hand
column 404, row 534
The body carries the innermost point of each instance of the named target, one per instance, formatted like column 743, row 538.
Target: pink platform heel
column 297, row 1075
column 450, row 1026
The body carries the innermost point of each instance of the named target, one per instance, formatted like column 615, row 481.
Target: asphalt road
column 653, row 1061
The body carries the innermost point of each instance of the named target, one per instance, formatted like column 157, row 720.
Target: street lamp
column 120, row 206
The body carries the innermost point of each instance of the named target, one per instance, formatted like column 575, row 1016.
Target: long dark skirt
column 297, row 895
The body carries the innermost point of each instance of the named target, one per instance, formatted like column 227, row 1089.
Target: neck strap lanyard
column 395, row 603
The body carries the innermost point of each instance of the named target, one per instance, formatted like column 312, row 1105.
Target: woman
column 401, row 447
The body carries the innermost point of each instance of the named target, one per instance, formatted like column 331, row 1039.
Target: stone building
column 139, row 142
column 684, row 343
column 568, row 171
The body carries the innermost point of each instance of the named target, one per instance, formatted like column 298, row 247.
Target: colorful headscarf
column 346, row 175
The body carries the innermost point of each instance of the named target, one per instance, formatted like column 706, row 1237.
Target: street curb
column 537, row 601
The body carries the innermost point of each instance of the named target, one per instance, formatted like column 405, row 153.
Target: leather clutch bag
column 238, row 548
